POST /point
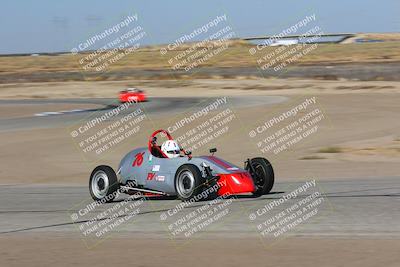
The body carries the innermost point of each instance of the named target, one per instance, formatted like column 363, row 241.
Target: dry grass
column 236, row 55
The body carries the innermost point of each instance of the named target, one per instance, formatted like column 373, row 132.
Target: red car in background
column 132, row 94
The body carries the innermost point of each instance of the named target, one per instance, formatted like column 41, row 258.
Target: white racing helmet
column 171, row 149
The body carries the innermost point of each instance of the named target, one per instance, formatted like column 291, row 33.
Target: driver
column 171, row 149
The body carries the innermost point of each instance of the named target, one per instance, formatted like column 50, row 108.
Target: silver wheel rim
column 100, row 184
column 185, row 183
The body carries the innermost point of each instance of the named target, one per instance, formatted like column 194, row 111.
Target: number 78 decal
column 138, row 159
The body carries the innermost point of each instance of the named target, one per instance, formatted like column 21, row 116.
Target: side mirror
column 213, row 150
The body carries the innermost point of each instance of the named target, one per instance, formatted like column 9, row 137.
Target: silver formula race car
column 150, row 171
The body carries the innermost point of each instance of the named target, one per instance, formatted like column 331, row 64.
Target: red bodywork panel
column 235, row 183
column 132, row 96
column 232, row 182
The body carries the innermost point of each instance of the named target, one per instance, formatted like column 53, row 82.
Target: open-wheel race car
column 171, row 171
column 132, row 95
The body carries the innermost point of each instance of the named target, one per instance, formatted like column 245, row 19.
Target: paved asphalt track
column 358, row 208
column 156, row 106
column 349, row 208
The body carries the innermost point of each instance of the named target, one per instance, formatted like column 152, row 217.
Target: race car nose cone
column 235, row 183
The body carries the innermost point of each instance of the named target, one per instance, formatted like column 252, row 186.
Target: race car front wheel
column 189, row 182
column 103, row 184
column 263, row 175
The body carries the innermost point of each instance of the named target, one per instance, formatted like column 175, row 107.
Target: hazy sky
column 59, row 25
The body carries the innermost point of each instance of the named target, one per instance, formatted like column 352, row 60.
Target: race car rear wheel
column 103, row 184
column 188, row 182
column 262, row 174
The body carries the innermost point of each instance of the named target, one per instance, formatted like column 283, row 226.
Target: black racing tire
column 263, row 177
column 189, row 182
column 103, row 184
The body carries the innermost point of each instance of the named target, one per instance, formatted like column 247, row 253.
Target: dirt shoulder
column 46, row 250
column 196, row 87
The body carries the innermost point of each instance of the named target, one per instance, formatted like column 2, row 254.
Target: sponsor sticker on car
column 160, row 178
column 156, row 168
